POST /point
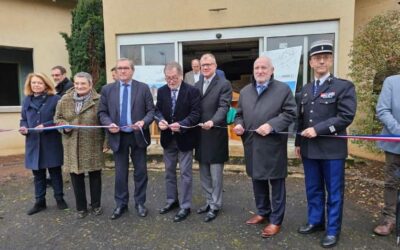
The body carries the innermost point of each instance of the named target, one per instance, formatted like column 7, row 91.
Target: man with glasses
column 327, row 107
column 178, row 107
column 212, row 151
column 59, row 75
column 127, row 107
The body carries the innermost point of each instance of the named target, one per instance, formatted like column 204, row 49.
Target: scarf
column 80, row 100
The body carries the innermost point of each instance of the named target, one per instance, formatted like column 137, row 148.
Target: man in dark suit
column 266, row 106
column 61, row 81
column 127, row 106
column 178, row 104
column 212, row 151
column 327, row 107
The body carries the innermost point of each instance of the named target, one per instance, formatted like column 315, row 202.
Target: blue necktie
column 124, row 111
column 316, row 86
column 173, row 100
column 260, row 89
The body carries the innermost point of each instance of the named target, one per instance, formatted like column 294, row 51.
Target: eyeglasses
column 207, row 65
column 55, row 75
column 171, row 78
column 123, row 68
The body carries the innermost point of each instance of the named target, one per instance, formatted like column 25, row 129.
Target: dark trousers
column 39, row 179
column 138, row 155
column 78, row 183
column 273, row 208
column 392, row 184
column 321, row 175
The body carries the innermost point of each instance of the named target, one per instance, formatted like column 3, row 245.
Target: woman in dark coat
column 43, row 149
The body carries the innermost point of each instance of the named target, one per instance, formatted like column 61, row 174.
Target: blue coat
column 42, row 150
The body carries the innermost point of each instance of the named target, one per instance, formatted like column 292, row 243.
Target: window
column 149, row 54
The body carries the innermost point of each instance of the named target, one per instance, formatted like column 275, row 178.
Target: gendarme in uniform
column 327, row 106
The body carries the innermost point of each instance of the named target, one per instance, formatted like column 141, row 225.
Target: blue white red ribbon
column 386, row 138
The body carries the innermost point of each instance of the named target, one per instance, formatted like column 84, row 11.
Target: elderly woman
column 83, row 148
column 43, row 148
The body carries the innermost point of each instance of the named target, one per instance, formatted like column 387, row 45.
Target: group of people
column 191, row 115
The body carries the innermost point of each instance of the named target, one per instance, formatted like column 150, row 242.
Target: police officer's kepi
column 321, row 46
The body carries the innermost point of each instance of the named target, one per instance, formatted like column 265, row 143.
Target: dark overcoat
column 187, row 113
column 142, row 108
column 44, row 149
column 330, row 112
column 215, row 102
column 266, row 156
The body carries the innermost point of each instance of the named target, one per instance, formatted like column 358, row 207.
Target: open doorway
column 235, row 57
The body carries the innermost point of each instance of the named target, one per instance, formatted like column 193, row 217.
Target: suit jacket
column 44, row 149
column 215, row 102
column 142, row 108
column 330, row 111
column 388, row 112
column 266, row 156
column 187, row 113
column 189, row 78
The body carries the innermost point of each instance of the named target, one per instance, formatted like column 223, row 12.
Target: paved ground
column 55, row 229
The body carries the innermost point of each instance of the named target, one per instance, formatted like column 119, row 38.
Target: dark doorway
column 234, row 57
column 9, row 95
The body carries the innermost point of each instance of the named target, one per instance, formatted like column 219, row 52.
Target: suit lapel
column 180, row 97
column 134, row 93
column 322, row 88
column 210, row 86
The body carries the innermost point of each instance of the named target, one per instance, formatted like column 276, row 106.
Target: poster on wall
column 153, row 75
column 286, row 62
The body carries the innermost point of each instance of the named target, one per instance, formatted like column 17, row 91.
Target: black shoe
column 309, row 228
column 118, row 211
column 169, row 207
column 39, row 206
column 182, row 214
column 211, row 215
column 329, row 241
column 81, row 214
column 141, row 210
column 61, row 204
column 203, row 209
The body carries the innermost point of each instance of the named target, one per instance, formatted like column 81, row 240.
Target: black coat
column 330, row 112
column 266, row 156
column 187, row 113
column 64, row 86
column 44, row 149
column 213, row 143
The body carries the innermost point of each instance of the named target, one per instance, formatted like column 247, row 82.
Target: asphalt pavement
column 59, row 229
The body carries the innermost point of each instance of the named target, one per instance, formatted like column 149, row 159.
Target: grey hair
column 173, row 65
column 85, row 75
column 129, row 60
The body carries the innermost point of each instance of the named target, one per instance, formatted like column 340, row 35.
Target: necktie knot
column 260, row 88
column 316, row 86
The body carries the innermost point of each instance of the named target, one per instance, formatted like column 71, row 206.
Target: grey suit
column 189, row 78
column 212, row 150
column 135, row 143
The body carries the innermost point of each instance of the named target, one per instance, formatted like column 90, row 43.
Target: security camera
column 218, row 35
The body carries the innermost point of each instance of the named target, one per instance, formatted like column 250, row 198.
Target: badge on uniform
column 328, row 95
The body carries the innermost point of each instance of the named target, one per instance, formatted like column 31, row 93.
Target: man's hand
column 138, row 125
column 309, row 133
column 175, row 127
column 163, row 125
column 264, row 129
column 238, row 129
column 23, row 130
column 113, row 128
column 208, row 125
column 297, row 152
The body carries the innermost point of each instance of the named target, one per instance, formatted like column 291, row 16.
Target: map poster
column 153, row 75
column 286, row 63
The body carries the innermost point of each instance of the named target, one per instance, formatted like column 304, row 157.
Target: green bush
column 374, row 56
column 86, row 44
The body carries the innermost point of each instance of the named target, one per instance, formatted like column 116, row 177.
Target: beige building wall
column 136, row 16
column 32, row 24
